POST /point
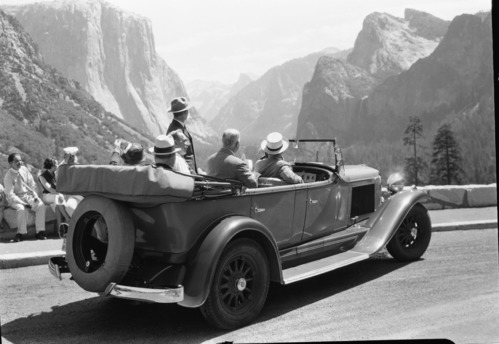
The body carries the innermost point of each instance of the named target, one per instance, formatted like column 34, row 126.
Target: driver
column 272, row 164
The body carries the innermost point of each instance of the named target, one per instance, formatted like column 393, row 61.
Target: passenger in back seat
column 273, row 165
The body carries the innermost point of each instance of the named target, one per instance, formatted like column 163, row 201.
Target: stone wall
column 460, row 196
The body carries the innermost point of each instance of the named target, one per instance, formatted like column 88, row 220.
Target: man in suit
column 224, row 164
column 180, row 109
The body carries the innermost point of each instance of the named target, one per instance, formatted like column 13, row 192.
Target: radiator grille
column 362, row 200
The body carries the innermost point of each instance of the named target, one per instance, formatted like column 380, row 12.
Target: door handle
column 312, row 201
column 258, row 210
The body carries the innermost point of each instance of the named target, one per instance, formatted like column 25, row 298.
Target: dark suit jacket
column 189, row 156
column 224, row 164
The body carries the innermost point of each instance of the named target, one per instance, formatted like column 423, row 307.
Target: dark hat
column 133, row 154
column 164, row 145
column 179, row 104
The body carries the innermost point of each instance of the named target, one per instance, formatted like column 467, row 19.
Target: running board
column 318, row 267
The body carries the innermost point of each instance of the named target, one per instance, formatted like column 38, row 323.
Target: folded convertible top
column 137, row 184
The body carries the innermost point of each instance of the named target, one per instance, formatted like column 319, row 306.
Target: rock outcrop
column 334, row 100
column 111, row 53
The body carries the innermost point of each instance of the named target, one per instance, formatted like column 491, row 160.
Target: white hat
column 164, row 145
column 274, row 144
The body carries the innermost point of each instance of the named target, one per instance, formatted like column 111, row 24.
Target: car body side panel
column 176, row 227
column 273, row 210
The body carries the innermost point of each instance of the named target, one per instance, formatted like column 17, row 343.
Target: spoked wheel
column 240, row 285
column 412, row 237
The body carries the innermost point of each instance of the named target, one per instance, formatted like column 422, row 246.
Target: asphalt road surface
column 452, row 293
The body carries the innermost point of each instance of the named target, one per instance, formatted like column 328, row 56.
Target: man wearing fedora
column 273, row 165
column 225, row 164
column 180, row 109
column 165, row 154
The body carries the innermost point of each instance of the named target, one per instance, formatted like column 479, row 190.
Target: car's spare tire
column 100, row 243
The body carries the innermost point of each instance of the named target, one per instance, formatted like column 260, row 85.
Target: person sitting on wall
column 50, row 196
column 272, row 164
column 21, row 195
column 225, row 164
column 166, row 155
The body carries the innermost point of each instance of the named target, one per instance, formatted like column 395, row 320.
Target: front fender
column 201, row 268
column 387, row 219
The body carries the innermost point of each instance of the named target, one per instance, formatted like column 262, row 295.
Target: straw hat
column 274, row 144
column 164, row 145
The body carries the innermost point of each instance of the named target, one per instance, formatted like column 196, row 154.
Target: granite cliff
column 385, row 47
column 41, row 111
column 111, row 53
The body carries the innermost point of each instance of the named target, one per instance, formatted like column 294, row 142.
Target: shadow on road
column 116, row 321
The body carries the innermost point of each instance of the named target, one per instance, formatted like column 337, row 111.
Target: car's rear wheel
column 100, row 243
column 240, row 285
column 412, row 237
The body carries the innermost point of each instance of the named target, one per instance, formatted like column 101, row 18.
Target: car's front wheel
column 240, row 285
column 412, row 237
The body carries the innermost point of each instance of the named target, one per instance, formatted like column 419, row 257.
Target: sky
column 217, row 40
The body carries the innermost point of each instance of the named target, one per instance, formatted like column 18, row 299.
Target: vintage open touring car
column 154, row 235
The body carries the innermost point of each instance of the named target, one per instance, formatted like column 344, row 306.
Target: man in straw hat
column 225, row 164
column 180, row 109
column 273, row 165
column 165, row 154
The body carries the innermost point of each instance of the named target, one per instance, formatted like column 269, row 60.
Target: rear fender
column 202, row 265
column 387, row 219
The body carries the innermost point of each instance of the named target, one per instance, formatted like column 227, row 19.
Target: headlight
column 395, row 182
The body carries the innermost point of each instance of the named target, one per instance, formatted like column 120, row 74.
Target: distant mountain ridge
column 210, row 96
column 111, row 53
column 272, row 102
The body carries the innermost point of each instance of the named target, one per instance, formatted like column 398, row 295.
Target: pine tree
column 446, row 158
column 415, row 164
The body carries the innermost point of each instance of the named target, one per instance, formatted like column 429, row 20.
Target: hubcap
column 241, row 284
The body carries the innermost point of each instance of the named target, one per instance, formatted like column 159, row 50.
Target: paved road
column 452, row 293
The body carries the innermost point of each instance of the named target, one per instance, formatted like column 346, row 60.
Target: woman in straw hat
column 273, row 165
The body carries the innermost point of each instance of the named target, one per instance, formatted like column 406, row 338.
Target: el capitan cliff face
column 112, row 54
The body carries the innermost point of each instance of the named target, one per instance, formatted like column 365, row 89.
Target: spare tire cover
column 120, row 242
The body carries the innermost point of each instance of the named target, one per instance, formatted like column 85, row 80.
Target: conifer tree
column 415, row 164
column 446, row 158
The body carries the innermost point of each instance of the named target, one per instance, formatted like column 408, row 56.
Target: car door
column 324, row 209
column 276, row 210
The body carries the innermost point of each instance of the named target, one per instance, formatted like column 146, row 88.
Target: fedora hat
column 179, row 104
column 164, row 145
column 274, row 144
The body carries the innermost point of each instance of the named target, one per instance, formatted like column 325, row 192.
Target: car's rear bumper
column 164, row 295
column 58, row 265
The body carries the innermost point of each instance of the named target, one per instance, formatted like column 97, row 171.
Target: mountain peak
column 387, row 45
